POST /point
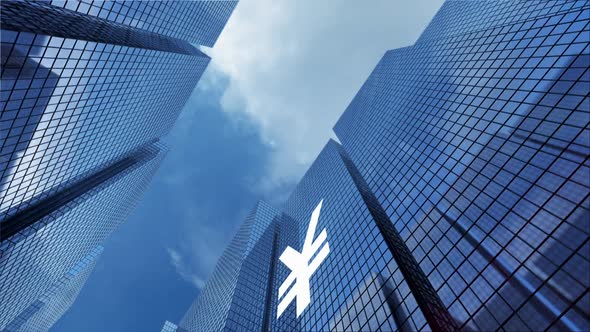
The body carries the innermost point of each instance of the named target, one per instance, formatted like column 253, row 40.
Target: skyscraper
column 459, row 198
column 88, row 89
column 80, row 91
column 482, row 126
column 234, row 296
column 44, row 312
column 66, row 229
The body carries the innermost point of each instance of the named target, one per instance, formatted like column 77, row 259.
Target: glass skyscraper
column 46, row 311
column 458, row 198
column 88, row 89
column 35, row 258
column 235, row 296
column 80, row 91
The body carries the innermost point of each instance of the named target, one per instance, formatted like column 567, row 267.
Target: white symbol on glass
column 301, row 267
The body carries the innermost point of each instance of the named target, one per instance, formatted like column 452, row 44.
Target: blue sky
column 281, row 75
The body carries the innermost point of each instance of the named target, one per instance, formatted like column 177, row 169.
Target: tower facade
column 459, row 196
column 234, row 295
column 88, row 89
column 475, row 143
column 80, row 91
column 48, row 309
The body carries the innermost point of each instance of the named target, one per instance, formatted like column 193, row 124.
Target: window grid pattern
column 198, row 22
column 287, row 235
column 475, row 143
column 211, row 310
column 357, row 252
column 462, row 16
column 36, row 257
column 70, row 106
column 80, row 94
column 477, row 147
column 169, row 327
column 46, row 311
column 366, row 301
column 44, row 19
column 248, row 304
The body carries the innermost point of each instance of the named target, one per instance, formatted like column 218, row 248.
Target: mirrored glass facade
column 234, row 296
column 475, row 142
column 71, row 106
column 199, row 22
column 36, row 257
column 460, row 196
column 46, row 311
column 88, row 89
column 170, row 327
column 359, row 267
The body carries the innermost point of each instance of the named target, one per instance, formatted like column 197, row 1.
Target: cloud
column 285, row 70
column 183, row 269
column 202, row 242
column 294, row 66
column 195, row 256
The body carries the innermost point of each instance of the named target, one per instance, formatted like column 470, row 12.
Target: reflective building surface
column 475, row 142
column 234, row 296
column 198, row 22
column 88, row 89
column 37, row 257
column 44, row 312
column 78, row 92
column 459, row 198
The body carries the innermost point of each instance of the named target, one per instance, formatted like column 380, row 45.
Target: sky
column 281, row 75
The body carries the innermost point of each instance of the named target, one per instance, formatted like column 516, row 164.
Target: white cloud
column 295, row 65
column 183, row 269
column 203, row 241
